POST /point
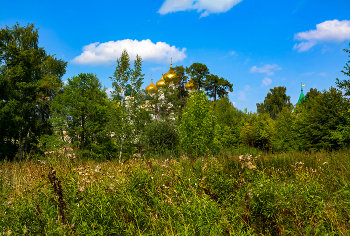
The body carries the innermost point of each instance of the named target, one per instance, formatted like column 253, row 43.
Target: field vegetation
column 233, row 193
column 75, row 161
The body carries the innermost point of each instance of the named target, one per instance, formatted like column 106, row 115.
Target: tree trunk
column 214, row 94
column 26, row 145
column 83, row 132
column 1, row 138
column 20, row 144
column 121, row 146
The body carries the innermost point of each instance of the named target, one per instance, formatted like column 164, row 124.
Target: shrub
column 159, row 136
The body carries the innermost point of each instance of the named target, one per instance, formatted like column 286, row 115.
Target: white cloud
column 266, row 81
column 246, row 61
column 247, row 88
column 328, row 31
column 268, row 69
column 307, row 73
column 241, row 95
column 205, row 7
column 107, row 53
column 233, row 103
column 232, row 52
column 322, row 74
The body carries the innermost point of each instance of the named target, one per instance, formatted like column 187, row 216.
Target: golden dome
column 190, row 85
column 161, row 83
column 171, row 73
column 151, row 88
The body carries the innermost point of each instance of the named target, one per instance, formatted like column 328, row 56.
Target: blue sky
column 255, row 44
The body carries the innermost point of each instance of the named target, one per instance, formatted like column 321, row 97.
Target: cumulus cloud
column 107, row 53
column 205, row 7
column 328, row 31
column 266, row 81
column 307, row 74
column 268, row 69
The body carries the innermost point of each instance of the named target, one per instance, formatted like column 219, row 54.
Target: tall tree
column 286, row 137
column 82, row 111
column 217, row 86
column 274, row 102
column 229, row 121
column 345, row 84
column 198, row 73
column 30, row 79
column 198, row 129
column 127, row 83
column 320, row 117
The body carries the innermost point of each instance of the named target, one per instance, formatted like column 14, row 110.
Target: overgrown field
column 231, row 194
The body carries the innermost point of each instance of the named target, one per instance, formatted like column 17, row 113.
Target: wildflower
column 230, row 199
column 325, row 163
column 261, row 185
column 98, row 169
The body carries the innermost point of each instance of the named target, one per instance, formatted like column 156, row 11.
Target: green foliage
column 230, row 121
column 320, row 117
column 174, row 94
column 82, row 111
column 130, row 122
column 217, row 86
column 274, row 102
column 286, row 136
column 198, row 130
column 198, row 73
column 258, row 130
column 29, row 81
column 285, row 194
column 345, row 84
column 160, row 136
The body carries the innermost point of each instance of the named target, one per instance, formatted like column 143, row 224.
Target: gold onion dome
column 151, row 88
column 161, row 83
column 190, row 85
column 171, row 73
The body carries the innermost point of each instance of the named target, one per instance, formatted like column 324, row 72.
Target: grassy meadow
column 234, row 193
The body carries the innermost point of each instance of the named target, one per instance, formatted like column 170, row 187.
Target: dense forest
column 40, row 114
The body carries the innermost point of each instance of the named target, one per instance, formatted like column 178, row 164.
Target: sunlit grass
column 231, row 194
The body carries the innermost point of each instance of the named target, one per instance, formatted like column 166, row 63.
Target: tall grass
column 230, row 194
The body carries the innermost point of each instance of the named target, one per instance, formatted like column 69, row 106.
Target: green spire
column 301, row 97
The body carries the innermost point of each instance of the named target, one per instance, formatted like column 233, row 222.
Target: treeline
column 38, row 113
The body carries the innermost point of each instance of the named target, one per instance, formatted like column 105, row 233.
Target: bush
column 159, row 136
